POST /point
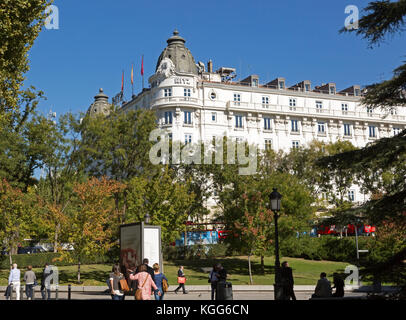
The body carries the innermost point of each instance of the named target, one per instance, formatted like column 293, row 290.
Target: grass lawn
column 305, row 272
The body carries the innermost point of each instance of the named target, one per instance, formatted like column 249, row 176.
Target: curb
column 236, row 288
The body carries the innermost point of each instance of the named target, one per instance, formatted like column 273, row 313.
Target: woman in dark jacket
column 287, row 281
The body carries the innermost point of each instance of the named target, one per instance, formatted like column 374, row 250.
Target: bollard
column 69, row 291
column 21, row 292
column 33, row 292
column 56, row 293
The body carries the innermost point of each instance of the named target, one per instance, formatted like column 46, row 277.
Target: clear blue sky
column 295, row 39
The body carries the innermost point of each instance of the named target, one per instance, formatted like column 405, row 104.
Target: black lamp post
column 275, row 203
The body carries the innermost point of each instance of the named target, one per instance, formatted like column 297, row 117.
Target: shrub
column 323, row 248
column 38, row 260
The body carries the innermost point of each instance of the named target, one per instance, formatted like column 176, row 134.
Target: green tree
column 116, row 146
column 383, row 18
column 23, row 142
column 15, row 217
column 92, row 223
column 166, row 200
column 21, row 22
column 253, row 228
column 59, row 173
column 380, row 166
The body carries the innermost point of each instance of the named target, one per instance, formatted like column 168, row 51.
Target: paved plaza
column 246, row 294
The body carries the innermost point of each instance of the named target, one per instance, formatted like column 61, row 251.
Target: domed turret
column 100, row 105
column 179, row 54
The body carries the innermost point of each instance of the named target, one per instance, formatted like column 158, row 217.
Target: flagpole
column 142, row 72
column 132, row 80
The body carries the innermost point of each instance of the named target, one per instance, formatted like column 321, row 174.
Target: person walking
column 159, row 279
column 46, row 282
column 323, row 287
column 29, row 279
column 213, row 279
column 115, row 277
column 149, row 269
column 222, row 273
column 145, row 282
column 338, row 285
column 14, row 280
column 181, row 281
column 287, row 281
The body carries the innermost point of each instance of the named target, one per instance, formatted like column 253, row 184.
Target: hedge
column 38, row 260
column 323, row 248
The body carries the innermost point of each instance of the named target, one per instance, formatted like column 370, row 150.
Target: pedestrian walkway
column 202, row 292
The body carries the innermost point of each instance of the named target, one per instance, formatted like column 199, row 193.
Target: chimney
column 210, row 66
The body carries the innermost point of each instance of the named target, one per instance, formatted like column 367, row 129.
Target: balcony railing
column 259, row 107
column 175, row 100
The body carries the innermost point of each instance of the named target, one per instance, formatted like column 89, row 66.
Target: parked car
column 30, row 250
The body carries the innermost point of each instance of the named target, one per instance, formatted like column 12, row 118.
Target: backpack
column 164, row 285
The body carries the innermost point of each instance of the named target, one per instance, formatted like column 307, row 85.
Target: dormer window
column 332, row 90
column 281, row 84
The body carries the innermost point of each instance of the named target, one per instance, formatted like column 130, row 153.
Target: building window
column 237, row 99
column 214, row 116
column 265, row 102
column 238, row 121
column 396, row 131
column 213, row 95
column 168, row 117
column 347, row 129
column 255, row 82
column 281, row 84
column 370, row 110
column 188, row 117
column 294, row 125
column 307, row 87
column 319, row 106
column 357, row 92
column 188, row 138
column 168, row 92
column 351, row 195
column 372, row 131
column 295, row 144
column 186, row 93
column 321, row 127
column 268, row 144
column 344, row 108
column 267, row 123
column 292, row 104
column 393, row 112
column 332, row 90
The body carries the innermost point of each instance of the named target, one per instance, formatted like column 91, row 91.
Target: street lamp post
column 275, row 203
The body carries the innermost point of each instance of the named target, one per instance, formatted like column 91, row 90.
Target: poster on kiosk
column 137, row 242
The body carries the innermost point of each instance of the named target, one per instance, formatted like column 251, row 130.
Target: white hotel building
column 194, row 103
